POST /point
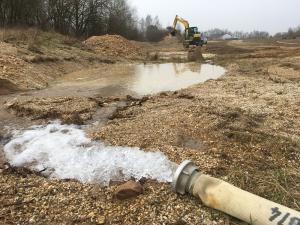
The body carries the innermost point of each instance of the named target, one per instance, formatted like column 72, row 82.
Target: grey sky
column 247, row 15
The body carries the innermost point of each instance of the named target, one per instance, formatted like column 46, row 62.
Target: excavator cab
column 193, row 36
column 194, row 30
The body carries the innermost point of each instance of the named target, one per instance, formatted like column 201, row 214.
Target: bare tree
column 76, row 17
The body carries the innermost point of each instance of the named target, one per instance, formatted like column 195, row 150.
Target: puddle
column 155, row 78
column 64, row 152
column 130, row 79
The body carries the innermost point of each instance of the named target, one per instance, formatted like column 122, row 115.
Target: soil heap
column 14, row 70
column 114, row 46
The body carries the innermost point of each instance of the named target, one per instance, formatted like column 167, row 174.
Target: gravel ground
column 243, row 128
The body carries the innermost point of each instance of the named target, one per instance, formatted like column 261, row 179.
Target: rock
column 186, row 96
column 101, row 220
column 128, row 190
column 9, row 104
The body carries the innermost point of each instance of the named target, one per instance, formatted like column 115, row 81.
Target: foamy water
column 65, row 152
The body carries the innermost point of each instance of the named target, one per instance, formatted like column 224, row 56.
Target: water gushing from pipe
column 65, row 152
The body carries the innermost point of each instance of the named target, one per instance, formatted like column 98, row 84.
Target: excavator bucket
column 173, row 33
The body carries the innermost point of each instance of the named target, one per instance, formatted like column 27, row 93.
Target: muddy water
column 152, row 79
column 132, row 79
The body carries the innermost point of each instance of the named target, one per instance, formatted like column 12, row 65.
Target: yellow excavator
column 191, row 34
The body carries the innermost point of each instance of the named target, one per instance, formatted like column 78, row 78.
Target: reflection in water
column 151, row 79
column 180, row 68
column 130, row 79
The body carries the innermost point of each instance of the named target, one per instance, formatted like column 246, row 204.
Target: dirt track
column 243, row 128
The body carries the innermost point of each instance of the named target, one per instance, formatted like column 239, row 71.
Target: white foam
column 65, row 152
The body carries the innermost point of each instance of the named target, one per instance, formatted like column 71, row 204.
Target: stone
column 101, row 220
column 128, row 190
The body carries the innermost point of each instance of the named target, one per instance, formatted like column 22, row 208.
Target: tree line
column 292, row 33
column 218, row 33
column 80, row 18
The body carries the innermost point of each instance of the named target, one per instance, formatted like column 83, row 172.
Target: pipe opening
column 185, row 177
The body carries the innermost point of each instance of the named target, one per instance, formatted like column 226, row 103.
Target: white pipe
column 227, row 198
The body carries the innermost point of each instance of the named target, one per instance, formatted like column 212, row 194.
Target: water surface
column 131, row 79
column 155, row 78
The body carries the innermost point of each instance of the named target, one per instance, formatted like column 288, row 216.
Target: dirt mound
column 113, row 45
column 18, row 73
column 31, row 59
column 69, row 110
column 195, row 54
column 170, row 40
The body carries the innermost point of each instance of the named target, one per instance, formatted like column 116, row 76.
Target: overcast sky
column 246, row 15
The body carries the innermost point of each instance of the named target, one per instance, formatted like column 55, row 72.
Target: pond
column 131, row 79
column 155, row 78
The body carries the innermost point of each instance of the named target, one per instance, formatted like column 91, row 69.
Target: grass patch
column 279, row 185
column 35, row 40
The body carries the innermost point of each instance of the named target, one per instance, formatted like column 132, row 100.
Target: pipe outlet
column 185, row 177
column 220, row 195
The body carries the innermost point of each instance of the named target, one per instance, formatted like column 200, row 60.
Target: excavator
column 191, row 34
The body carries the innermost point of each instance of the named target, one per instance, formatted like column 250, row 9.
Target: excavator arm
column 177, row 20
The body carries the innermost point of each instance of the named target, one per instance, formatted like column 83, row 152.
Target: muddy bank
column 32, row 59
column 69, row 110
column 7, row 87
